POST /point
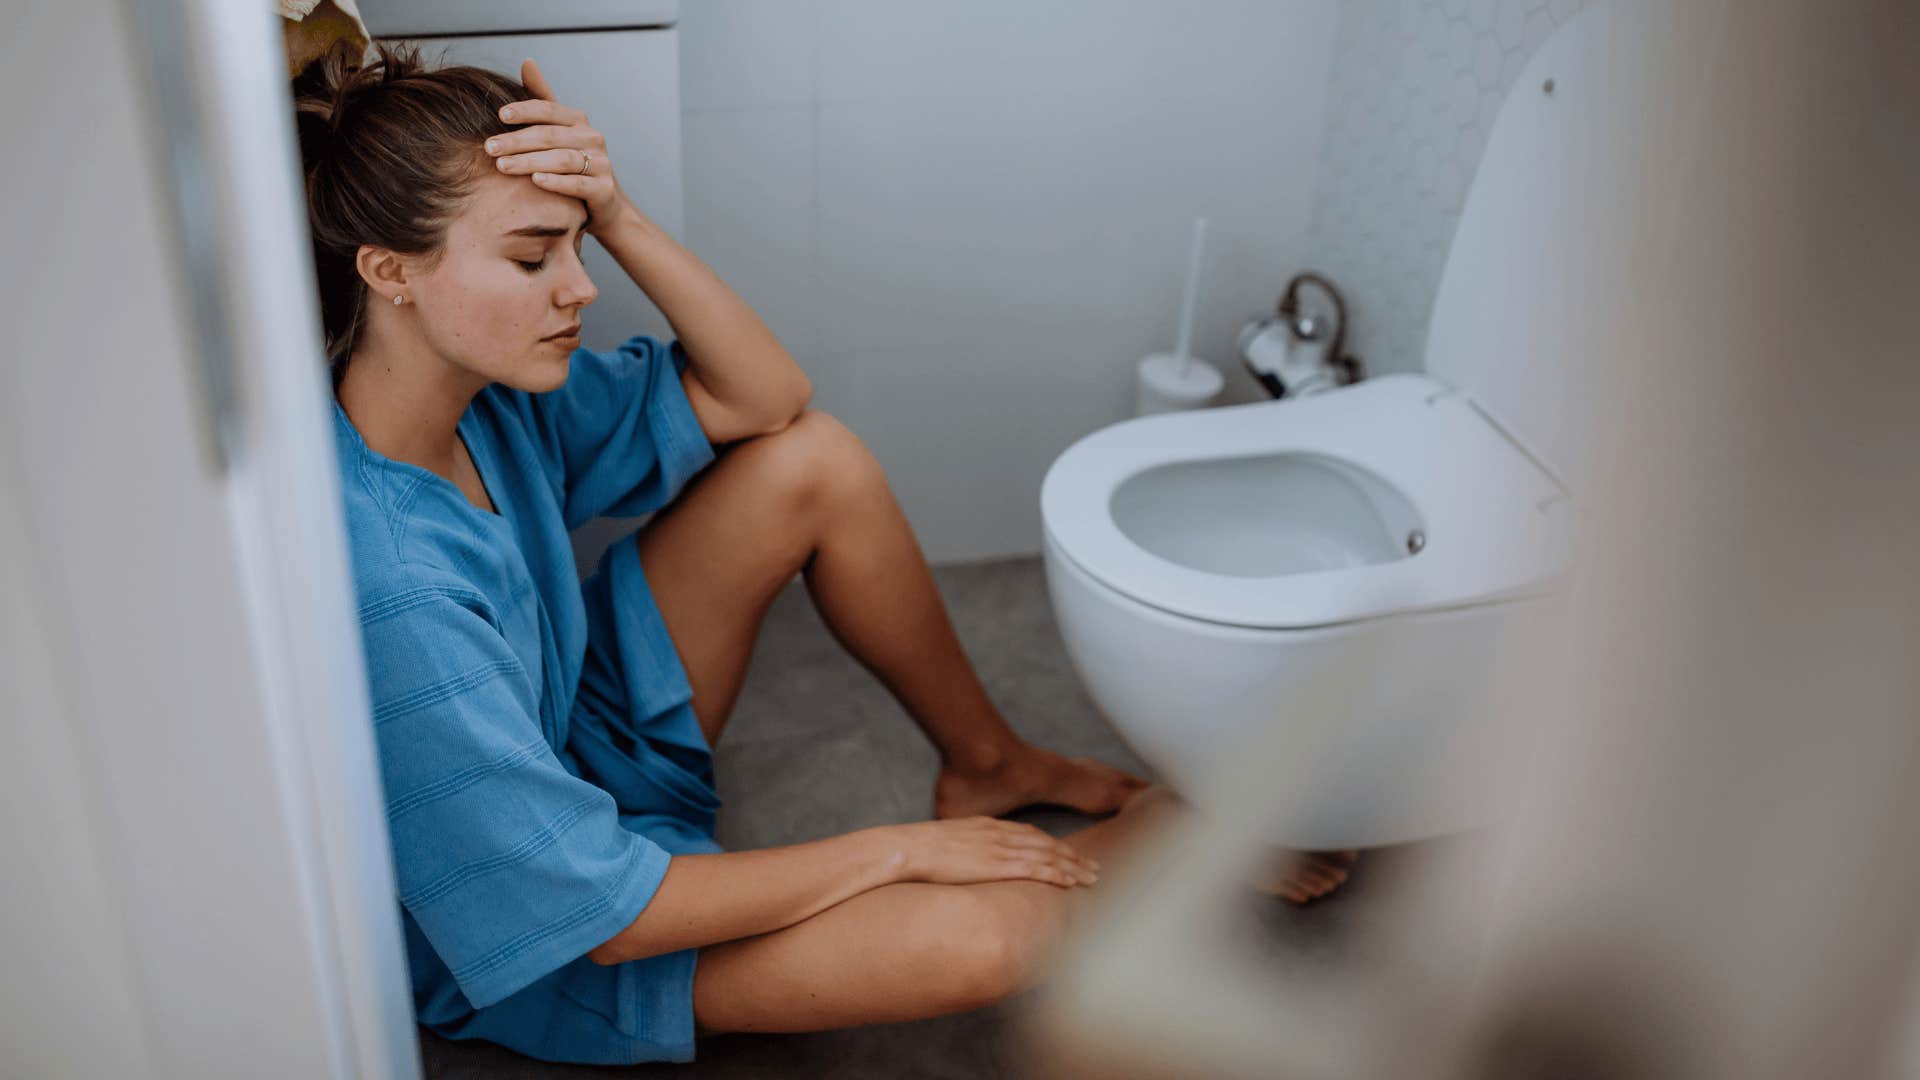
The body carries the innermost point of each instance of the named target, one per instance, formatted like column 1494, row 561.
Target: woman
column 545, row 745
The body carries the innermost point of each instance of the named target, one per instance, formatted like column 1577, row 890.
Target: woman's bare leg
column 811, row 499
column 912, row 951
column 907, row 951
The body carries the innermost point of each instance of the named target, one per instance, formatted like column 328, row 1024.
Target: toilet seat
column 1497, row 526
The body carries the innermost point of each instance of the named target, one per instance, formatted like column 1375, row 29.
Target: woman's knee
column 818, row 459
column 994, row 940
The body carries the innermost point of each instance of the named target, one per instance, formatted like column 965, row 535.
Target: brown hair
column 390, row 149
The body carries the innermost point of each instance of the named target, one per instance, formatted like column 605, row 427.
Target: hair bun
column 326, row 91
column 320, row 94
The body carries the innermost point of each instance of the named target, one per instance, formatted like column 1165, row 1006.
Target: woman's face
column 509, row 279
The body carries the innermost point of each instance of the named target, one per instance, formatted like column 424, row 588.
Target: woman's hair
column 389, row 149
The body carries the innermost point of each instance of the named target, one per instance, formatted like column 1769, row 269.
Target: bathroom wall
column 969, row 220
column 1412, row 96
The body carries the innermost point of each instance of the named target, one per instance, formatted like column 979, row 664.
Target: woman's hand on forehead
column 553, row 148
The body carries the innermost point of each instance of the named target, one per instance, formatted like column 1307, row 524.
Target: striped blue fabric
column 512, row 862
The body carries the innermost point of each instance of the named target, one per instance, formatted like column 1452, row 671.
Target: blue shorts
column 633, row 730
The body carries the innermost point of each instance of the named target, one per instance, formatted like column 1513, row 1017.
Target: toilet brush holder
column 1165, row 382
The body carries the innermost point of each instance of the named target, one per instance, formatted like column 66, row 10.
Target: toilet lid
column 1561, row 210
column 1496, row 527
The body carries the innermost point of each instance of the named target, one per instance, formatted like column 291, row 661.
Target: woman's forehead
column 510, row 206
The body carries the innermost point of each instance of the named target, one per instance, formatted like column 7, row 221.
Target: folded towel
column 313, row 26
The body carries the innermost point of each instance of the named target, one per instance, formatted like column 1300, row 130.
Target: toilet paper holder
column 1292, row 352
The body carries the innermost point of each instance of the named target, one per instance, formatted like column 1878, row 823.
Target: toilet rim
column 1497, row 527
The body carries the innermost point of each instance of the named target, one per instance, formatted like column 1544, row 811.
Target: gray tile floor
column 817, row 747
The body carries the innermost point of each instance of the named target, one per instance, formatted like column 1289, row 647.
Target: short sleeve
column 620, row 432
column 511, row 865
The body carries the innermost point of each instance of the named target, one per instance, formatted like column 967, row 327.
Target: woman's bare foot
column 1301, row 876
column 1029, row 774
column 1298, row 876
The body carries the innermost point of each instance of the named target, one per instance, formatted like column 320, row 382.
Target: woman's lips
column 569, row 336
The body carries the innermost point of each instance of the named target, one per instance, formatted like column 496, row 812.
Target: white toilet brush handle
column 1183, row 343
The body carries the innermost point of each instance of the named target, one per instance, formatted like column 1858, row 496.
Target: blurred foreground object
column 1707, row 866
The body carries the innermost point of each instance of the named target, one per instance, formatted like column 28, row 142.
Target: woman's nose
column 578, row 287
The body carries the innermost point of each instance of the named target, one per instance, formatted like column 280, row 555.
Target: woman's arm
column 707, row 899
column 741, row 380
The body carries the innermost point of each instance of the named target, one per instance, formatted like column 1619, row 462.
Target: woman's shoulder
column 424, row 587
column 426, row 567
column 397, row 549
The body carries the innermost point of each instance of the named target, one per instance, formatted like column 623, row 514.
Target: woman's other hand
column 962, row 851
column 552, row 148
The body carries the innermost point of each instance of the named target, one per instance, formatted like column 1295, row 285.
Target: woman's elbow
column 789, row 415
column 804, row 398
column 607, row 953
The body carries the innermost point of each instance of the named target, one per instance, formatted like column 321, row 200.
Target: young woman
column 545, row 745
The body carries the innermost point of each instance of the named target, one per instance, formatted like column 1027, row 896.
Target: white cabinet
column 419, row 18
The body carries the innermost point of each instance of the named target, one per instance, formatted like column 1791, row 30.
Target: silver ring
column 586, row 159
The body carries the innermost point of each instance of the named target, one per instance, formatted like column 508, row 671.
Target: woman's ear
column 385, row 272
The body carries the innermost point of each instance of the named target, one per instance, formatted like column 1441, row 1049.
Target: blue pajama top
column 540, row 756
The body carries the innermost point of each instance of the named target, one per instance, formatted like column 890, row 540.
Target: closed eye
column 536, row 267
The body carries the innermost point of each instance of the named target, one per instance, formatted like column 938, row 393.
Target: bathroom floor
column 816, row 746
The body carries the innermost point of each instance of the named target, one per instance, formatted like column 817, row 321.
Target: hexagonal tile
column 1510, row 22
column 1416, row 89
column 1486, row 63
column 1467, row 144
column 1511, row 64
column 1412, row 57
column 1454, row 178
column 1466, row 99
column 1539, row 28
column 1460, row 46
column 1425, row 162
column 1490, row 101
column 1408, row 17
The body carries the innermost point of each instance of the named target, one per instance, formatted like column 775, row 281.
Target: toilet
column 1356, row 565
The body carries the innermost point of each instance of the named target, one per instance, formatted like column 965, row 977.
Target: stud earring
column 399, row 298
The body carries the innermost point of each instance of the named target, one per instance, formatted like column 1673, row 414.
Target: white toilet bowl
column 1216, row 569
column 1353, row 564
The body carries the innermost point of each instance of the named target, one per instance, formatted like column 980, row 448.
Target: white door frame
column 205, row 883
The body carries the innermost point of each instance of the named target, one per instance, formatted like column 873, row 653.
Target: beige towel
column 313, row 26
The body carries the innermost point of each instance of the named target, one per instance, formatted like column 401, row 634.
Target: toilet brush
column 1166, row 382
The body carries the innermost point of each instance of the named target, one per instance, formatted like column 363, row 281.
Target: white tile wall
column 968, row 219
column 1415, row 88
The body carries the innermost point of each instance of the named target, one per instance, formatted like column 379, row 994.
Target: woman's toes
column 1302, row 877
